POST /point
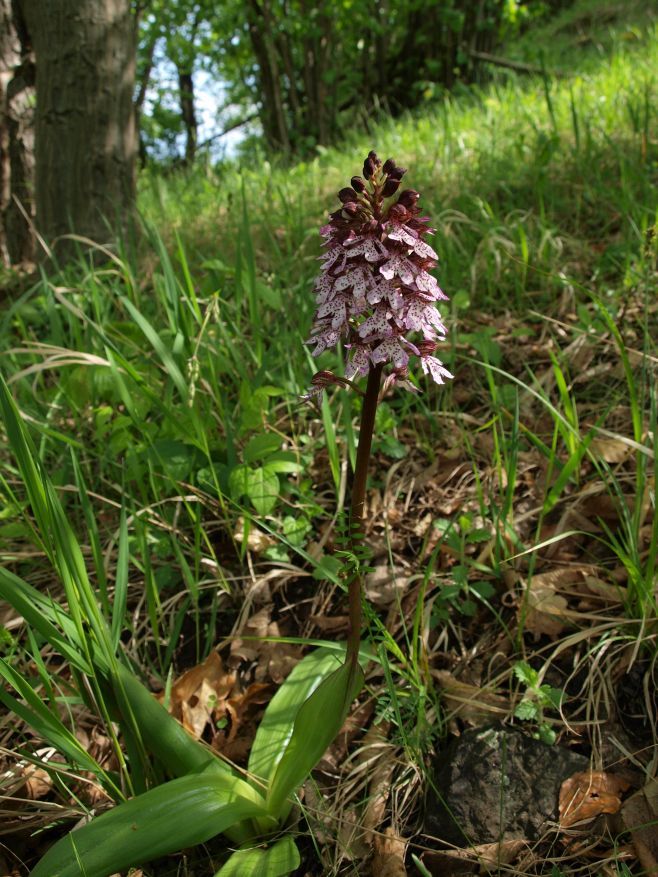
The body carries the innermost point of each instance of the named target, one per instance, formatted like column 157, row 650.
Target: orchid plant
column 376, row 295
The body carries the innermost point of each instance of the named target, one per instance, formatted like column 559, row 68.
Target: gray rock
column 496, row 783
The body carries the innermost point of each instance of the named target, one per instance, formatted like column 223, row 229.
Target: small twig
column 518, row 66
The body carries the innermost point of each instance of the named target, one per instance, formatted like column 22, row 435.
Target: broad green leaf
column 181, row 813
column 275, row 861
column 259, row 485
column 276, row 727
column 261, row 446
column 283, row 461
column 318, row 721
column 165, row 738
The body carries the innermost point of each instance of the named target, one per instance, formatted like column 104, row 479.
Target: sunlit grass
column 162, row 390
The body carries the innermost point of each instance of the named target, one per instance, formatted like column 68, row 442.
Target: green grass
column 161, row 390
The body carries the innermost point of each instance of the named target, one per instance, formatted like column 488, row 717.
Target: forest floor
column 511, row 514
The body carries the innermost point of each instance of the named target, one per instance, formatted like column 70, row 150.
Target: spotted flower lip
column 375, row 291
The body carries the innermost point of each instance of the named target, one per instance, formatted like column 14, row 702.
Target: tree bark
column 16, row 138
column 188, row 114
column 86, row 141
column 273, row 114
column 142, row 88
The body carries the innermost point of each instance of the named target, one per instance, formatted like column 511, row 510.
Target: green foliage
column 208, row 796
column 276, row 861
column 313, row 72
column 536, row 700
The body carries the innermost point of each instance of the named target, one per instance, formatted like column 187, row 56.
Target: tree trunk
column 85, row 123
column 273, row 114
column 188, row 115
column 16, row 138
column 142, row 88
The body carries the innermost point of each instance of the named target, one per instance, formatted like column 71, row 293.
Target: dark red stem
column 356, row 508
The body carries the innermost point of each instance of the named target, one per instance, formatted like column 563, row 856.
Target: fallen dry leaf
column 544, row 610
column 469, row 702
column 257, row 642
column 199, row 693
column 385, row 585
column 613, row 450
column 257, row 540
column 388, row 860
column 587, row 794
column 639, row 816
column 445, row 863
column 38, row 782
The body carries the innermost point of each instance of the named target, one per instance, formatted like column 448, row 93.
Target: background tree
column 16, row 137
column 85, row 133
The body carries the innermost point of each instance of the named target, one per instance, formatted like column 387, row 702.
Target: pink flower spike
column 375, row 289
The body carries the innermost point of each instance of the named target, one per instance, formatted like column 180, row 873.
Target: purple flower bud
column 397, row 173
column 324, row 378
column 368, row 168
column 426, row 348
column 398, row 212
column 358, row 184
column 390, row 187
column 408, row 198
column 389, row 165
column 347, row 194
column 372, row 155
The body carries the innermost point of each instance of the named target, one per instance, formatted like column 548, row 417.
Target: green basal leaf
column 276, row 727
column 275, row 861
column 177, row 751
column 317, row 722
column 182, row 813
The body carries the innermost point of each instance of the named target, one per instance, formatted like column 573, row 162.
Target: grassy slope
column 542, row 192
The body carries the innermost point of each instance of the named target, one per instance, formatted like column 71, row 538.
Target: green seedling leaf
column 527, row 710
column 182, row 813
column 525, row 673
column 551, row 697
column 275, row 861
column 546, row 734
column 276, row 727
column 318, row 721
